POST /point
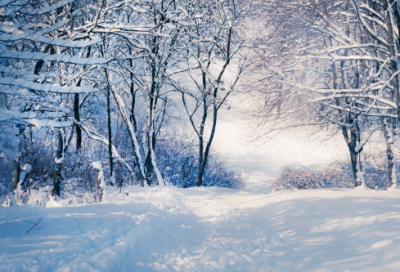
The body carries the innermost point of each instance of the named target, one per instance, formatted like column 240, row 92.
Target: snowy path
column 208, row 229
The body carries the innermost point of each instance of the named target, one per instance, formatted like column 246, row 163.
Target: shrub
column 336, row 175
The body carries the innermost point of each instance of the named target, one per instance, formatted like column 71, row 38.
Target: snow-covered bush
column 336, row 175
column 176, row 157
column 307, row 178
column 178, row 160
column 216, row 174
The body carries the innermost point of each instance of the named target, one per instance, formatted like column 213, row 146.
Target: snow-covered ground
column 207, row 229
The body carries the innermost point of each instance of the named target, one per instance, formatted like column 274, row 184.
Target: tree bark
column 17, row 173
column 351, row 142
column 389, row 152
column 57, row 167
column 77, row 118
column 110, row 155
column 76, row 110
column 98, row 181
column 203, row 165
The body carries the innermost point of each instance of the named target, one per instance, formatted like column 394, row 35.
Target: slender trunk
column 351, row 141
column 359, row 132
column 149, row 164
column 57, row 167
column 133, row 94
column 389, row 152
column 203, row 165
column 17, row 173
column 77, row 118
column 149, row 167
column 199, row 181
column 360, row 170
column 132, row 134
column 76, row 110
column 110, row 155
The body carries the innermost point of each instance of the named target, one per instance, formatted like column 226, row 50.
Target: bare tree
column 213, row 45
column 341, row 68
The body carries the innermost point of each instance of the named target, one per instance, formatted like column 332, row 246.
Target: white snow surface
column 207, row 229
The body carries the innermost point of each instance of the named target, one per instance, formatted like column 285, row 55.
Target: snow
column 15, row 35
column 97, row 165
column 57, row 58
column 46, row 9
column 44, row 87
column 39, row 123
column 207, row 229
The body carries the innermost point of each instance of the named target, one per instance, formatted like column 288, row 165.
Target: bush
column 177, row 159
column 336, row 175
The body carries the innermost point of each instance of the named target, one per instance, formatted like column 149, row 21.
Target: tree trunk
column 351, row 142
column 76, row 110
column 149, row 168
column 360, row 170
column 17, row 173
column 57, row 167
column 149, row 164
column 199, row 181
column 203, row 165
column 110, row 155
column 17, row 160
column 389, row 152
column 99, row 179
column 353, row 158
column 77, row 118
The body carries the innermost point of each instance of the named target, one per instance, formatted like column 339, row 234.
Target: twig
column 34, row 225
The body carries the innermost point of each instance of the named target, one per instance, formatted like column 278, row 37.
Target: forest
column 121, row 93
column 103, row 100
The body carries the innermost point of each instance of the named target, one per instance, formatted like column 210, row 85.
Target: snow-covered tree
column 211, row 68
column 338, row 66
